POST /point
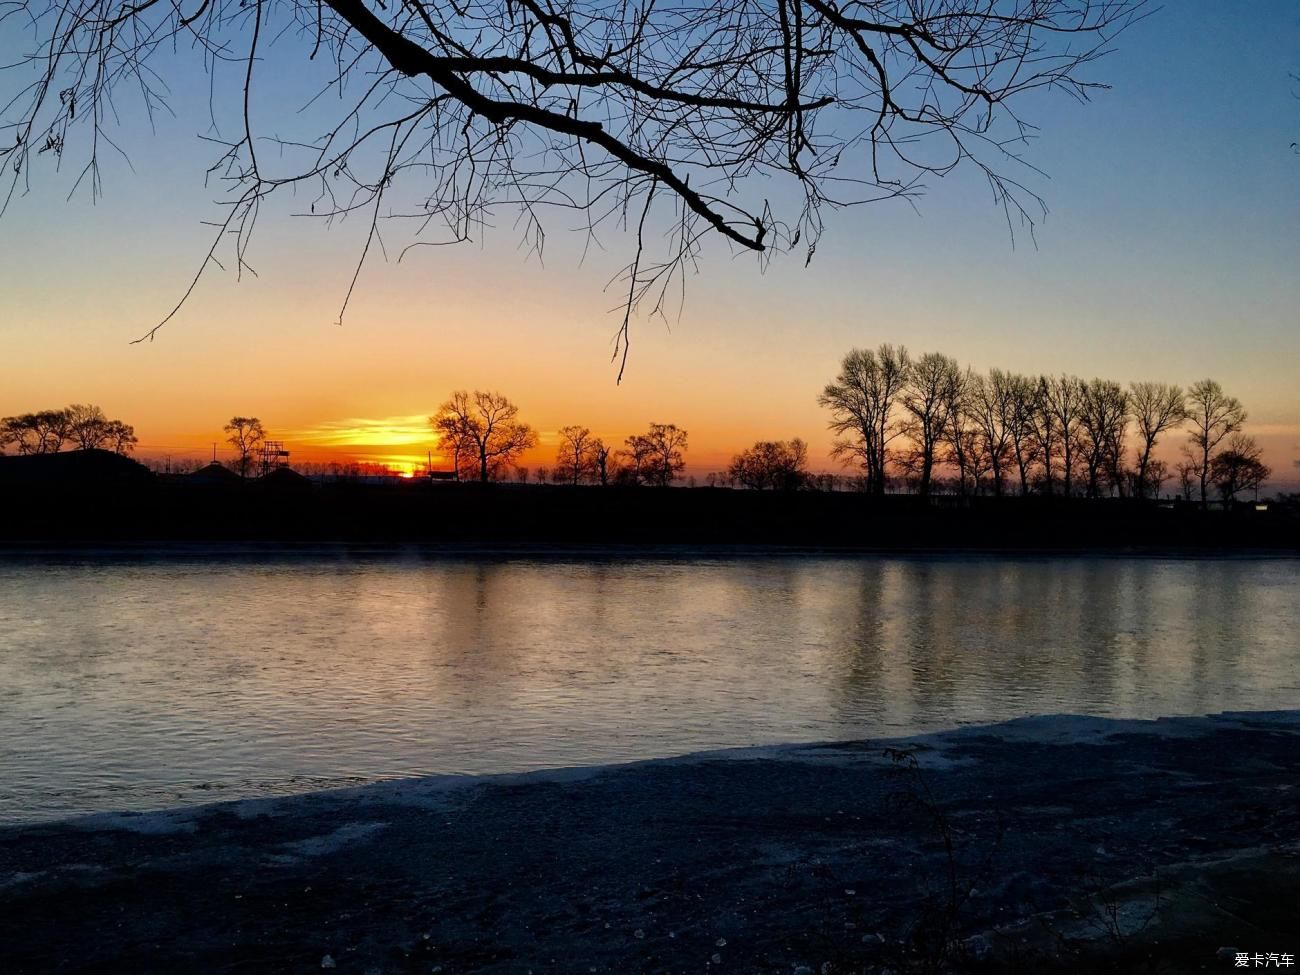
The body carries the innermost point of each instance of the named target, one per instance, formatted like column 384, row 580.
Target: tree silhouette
column 1238, row 467
column 927, row 396
column 576, row 459
column 960, row 439
column 861, row 401
column 657, row 456
column 454, row 440
column 778, row 465
column 688, row 121
column 1157, row 472
column 43, row 432
column 967, row 443
column 1022, row 426
column 1103, row 418
column 1187, row 475
column 120, row 437
column 992, row 400
column 1214, row 416
column 87, row 426
column 1157, row 407
column 1043, row 430
column 246, row 434
column 83, row 426
column 602, row 456
column 487, row 425
column 1064, row 403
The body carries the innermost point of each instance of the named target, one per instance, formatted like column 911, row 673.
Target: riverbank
column 1050, row 843
column 149, row 510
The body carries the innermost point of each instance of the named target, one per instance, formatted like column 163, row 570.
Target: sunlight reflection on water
column 136, row 684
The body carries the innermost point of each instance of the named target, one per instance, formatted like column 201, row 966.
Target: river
column 135, row 683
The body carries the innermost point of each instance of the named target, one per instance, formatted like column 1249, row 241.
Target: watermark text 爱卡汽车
column 1264, row 959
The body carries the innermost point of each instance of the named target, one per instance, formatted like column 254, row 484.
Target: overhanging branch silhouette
column 739, row 121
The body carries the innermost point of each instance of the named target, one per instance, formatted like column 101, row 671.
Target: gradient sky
column 1169, row 253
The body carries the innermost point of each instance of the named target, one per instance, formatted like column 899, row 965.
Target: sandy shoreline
column 1049, row 841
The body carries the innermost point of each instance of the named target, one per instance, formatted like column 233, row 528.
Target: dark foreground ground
column 1046, row 844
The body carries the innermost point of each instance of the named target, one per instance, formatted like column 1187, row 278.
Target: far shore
column 257, row 549
column 1052, row 843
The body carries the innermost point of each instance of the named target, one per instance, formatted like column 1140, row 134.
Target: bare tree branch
column 740, row 121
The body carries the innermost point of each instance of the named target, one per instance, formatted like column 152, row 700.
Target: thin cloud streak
column 388, row 431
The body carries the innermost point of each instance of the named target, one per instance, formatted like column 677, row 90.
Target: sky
column 1169, row 253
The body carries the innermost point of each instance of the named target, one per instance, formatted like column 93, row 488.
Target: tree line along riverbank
column 94, row 497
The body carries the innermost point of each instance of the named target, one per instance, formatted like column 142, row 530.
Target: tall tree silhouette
column 246, row 434
column 1022, row 426
column 1103, row 418
column 576, row 460
column 1214, row 416
column 488, row 423
column 927, row 397
column 1043, row 428
column 992, row 399
column 1157, row 407
column 959, row 436
column 861, row 401
column 1064, row 402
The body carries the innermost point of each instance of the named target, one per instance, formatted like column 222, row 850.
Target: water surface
column 146, row 683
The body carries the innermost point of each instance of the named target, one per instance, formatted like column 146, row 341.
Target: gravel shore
column 1042, row 844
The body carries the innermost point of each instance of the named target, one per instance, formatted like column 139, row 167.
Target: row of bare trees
column 894, row 415
column 654, row 458
column 76, row 427
column 481, row 433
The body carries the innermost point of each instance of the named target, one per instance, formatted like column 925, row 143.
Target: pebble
column 716, row 959
column 327, row 962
